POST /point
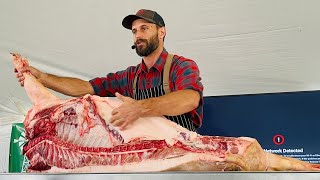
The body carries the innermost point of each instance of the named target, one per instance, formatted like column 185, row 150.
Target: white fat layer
column 145, row 166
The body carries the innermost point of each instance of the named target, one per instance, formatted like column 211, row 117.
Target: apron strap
column 166, row 74
column 135, row 85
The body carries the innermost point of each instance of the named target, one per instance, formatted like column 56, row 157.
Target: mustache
column 140, row 40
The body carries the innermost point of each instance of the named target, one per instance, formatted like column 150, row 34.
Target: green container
column 17, row 161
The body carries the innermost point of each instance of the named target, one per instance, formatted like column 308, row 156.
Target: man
column 152, row 88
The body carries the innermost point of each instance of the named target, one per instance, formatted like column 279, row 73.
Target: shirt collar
column 158, row 65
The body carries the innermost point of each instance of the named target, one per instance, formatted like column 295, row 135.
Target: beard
column 151, row 45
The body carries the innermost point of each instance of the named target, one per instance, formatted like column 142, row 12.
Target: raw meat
column 75, row 136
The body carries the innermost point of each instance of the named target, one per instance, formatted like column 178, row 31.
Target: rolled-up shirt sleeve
column 186, row 75
column 112, row 83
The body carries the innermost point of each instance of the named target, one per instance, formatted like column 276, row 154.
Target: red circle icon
column 278, row 139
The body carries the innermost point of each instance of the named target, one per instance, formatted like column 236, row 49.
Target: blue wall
column 294, row 115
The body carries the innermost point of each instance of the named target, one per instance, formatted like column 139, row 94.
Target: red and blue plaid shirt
column 184, row 74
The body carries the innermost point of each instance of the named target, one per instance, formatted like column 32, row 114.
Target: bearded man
column 161, row 85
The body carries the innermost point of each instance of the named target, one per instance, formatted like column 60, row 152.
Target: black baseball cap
column 148, row 15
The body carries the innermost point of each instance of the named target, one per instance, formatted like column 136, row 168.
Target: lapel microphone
column 133, row 47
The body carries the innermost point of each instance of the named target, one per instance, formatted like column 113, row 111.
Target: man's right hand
column 28, row 69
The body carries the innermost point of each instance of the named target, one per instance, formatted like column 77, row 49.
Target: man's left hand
column 127, row 113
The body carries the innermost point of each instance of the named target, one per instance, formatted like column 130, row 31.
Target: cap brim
column 128, row 20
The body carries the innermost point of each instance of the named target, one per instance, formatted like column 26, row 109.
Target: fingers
column 114, row 117
column 20, row 79
column 117, row 120
column 19, row 75
column 124, row 125
column 125, row 114
column 23, row 69
column 114, row 112
column 30, row 70
column 120, row 110
column 118, row 123
column 124, row 98
column 119, row 96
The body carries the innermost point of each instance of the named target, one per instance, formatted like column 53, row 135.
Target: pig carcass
column 75, row 135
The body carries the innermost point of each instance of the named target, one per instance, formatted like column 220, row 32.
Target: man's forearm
column 67, row 85
column 172, row 104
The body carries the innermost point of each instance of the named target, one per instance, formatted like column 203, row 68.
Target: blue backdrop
column 277, row 120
